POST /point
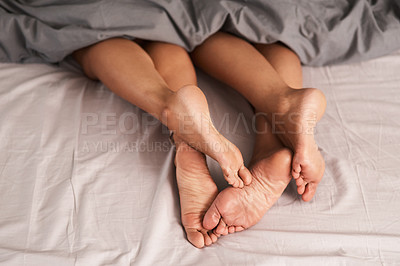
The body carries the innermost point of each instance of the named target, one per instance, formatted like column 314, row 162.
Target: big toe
column 221, row 229
column 211, row 218
column 245, row 175
column 195, row 237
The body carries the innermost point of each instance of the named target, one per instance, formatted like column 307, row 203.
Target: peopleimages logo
column 129, row 123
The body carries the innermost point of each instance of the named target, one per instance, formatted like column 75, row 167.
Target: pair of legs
column 270, row 77
column 270, row 166
column 160, row 79
column 152, row 83
column 145, row 79
column 279, row 71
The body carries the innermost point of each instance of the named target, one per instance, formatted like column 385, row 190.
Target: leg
column 292, row 112
column 270, row 165
column 125, row 68
column 197, row 189
column 287, row 64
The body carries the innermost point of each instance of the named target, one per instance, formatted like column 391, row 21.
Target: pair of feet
column 293, row 119
column 206, row 214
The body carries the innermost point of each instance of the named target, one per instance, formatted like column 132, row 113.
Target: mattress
column 86, row 178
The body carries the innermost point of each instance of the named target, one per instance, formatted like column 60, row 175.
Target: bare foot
column 188, row 115
column 295, row 123
column 238, row 209
column 197, row 191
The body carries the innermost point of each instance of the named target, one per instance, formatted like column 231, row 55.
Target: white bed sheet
column 88, row 179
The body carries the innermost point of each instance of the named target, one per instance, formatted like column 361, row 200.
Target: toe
column 213, row 237
column 309, row 191
column 216, row 234
column 299, row 181
column 301, row 188
column 207, row 239
column 195, row 237
column 239, row 181
column 231, row 229
column 221, row 228
column 224, row 233
column 296, row 169
column 229, row 177
column 233, row 180
column 295, row 174
column 230, row 181
column 232, row 177
column 211, row 218
column 239, row 228
column 301, row 185
column 245, row 175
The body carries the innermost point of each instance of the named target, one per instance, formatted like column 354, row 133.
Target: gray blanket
column 319, row 31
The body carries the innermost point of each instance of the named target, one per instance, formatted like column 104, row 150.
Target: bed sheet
column 88, row 179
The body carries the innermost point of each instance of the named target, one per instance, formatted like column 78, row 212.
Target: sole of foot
column 296, row 120
column 197, row 191
column 236, row 209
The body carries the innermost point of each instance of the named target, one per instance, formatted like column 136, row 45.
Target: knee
column 180, row 62
column 93, row 57
column 182, row 56
column 81, row 56
column 171, row 60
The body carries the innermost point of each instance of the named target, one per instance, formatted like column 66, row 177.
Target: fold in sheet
column 320, row 32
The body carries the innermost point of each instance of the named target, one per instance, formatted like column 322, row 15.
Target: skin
column 287, row 64
column 130, row 72
column 146, row 76
column 270, row 167
column 197, row 189
column 235, row 210
column 254, row 71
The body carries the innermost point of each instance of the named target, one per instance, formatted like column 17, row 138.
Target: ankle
column 167, row 110
column 277, row 100
column 179, row 143
column 182, row 147
column 174, row 106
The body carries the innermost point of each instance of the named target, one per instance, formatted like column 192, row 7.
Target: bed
column 88, row 179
